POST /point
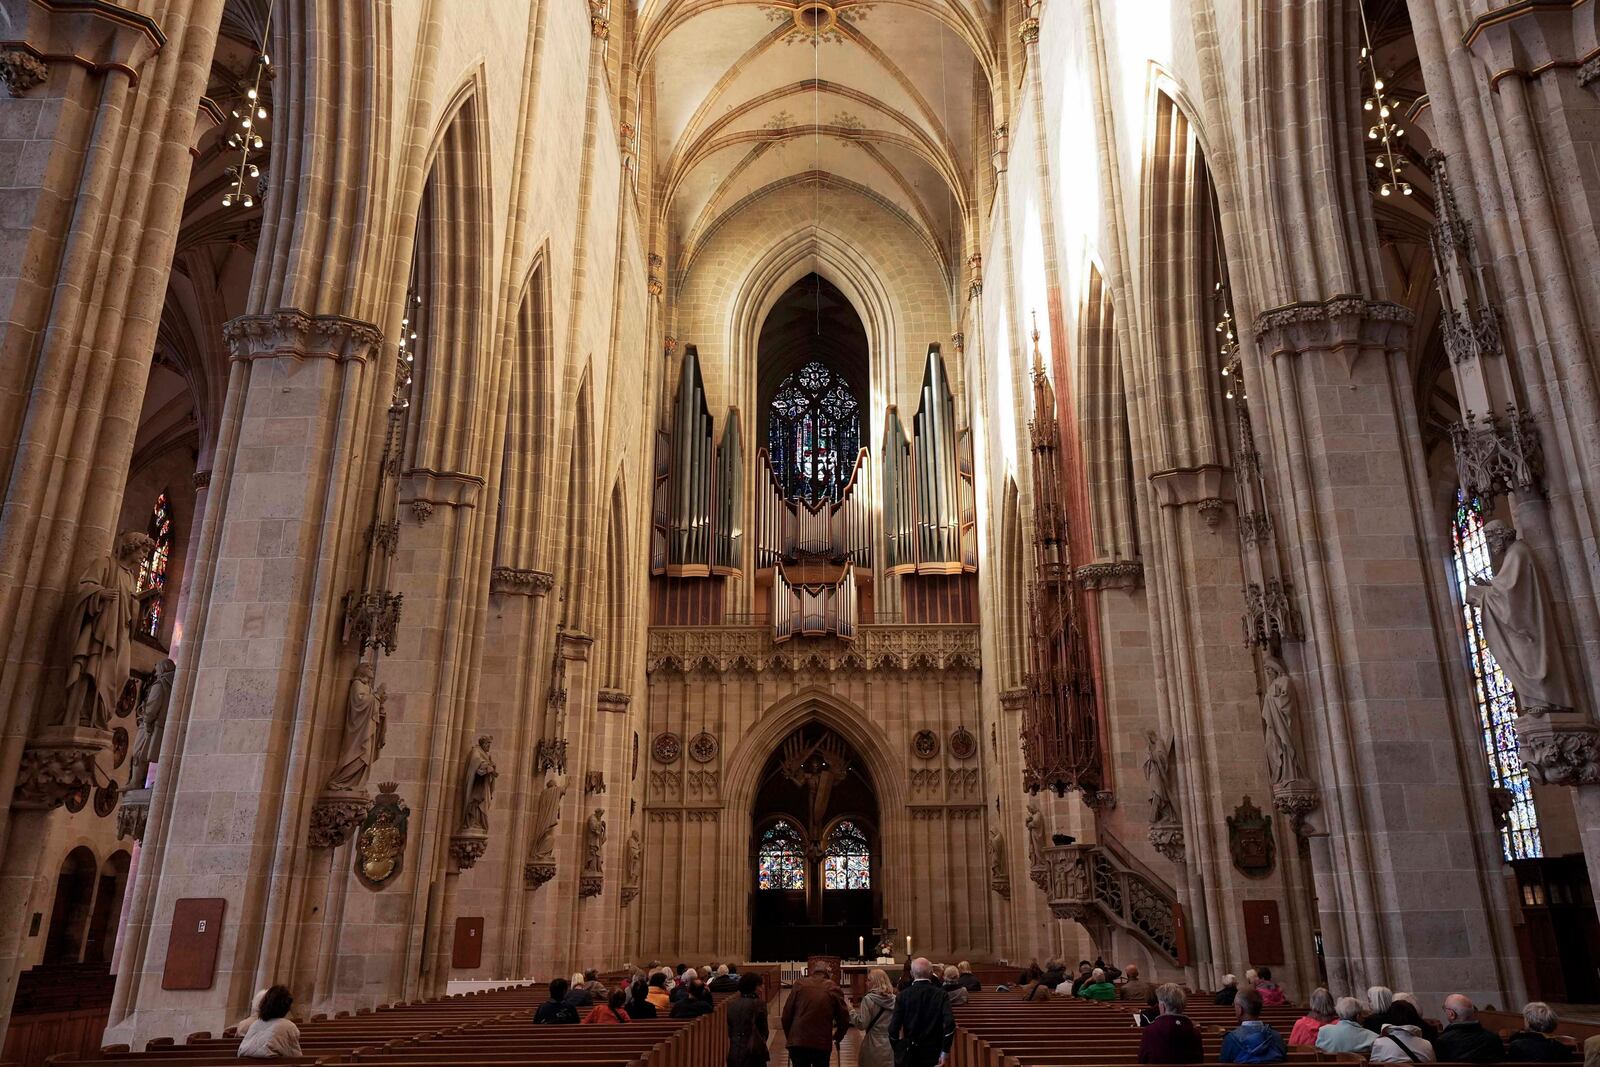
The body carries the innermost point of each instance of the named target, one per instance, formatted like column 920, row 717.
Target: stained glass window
column 814, row 434
column 849, row 862
column 781, row 860
column 153, row 571
column 1497, row 703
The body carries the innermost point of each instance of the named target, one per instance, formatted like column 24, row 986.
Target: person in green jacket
column 1097, row 988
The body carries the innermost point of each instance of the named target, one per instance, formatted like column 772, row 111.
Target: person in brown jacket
column 814, row 1018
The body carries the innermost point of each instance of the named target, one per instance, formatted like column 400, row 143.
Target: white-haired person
column 1319, row 1013
column 922, row 1023
column 1346, row 1034
column 1402, row 1038
column 1533, row 1044
column 953, row 988
column 1229, row 990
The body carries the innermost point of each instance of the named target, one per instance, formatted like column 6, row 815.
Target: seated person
column 1252, row 1041
column 1319, row 1014
column 1272, row 994
column 1098, row 987
column 556, row 1009
column 1346, row 1034
column 696, row 1001
column 608, row 1014
column 639, row 1005
column 1172, row 1037
column 1464, row 1039
column 1230, row 989
column 1535, row 1045
column 1402, row 1038
column 953, row 987
column 272, row 1036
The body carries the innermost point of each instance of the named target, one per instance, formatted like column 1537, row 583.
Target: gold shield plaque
column 381, row 842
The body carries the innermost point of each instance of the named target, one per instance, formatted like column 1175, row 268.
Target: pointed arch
column 577, row 549
column 615, row 617
column 1103, row 417
column 529, row 444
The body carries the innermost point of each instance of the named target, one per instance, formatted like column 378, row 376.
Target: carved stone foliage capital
column 613, row 700
column 133, row 813
column 334, row 817
column 1109, row 574
column 467, row 849
column 1498, row 453
column 1296, row 799
column 590, row 885
column 1338, row 323
column 1561, row 756
column 57, row 765
column 288, row 332
column 1013, row 699
column 535, row 875
column 1168, row 839
column 629, row 894
column 720, row 649
column 21, row 70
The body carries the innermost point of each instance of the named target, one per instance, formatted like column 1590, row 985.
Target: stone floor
column 842, row 1057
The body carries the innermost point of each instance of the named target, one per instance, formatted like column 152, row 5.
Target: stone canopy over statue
column 1520, row 624
column 102, row 634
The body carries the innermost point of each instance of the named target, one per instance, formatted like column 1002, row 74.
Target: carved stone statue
column 594, row 842
column 546, row 816
column 477, row 787
column 364, row 724
column 817, row 769
column 1159, row 764
column 1519, row 623
column 152, row 724
column 997, row 857
column 635, row 869
column 1278, row 706
column 1038, row 835
column 103, row 634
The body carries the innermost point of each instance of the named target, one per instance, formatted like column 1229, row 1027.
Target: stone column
column 96, row 124
column 240, row 772
column 1407, row 879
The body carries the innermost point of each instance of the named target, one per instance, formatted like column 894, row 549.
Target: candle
column 908, row 946
column 861, row 948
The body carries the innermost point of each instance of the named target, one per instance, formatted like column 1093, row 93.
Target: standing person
column 953, row 987
column 922, row 1023
column 1252, row 1041
column 1172, row 1037
column 872, row 1017
column 747, row 1025
column 610, row 1013
column 815, row 1018
column 272, row 1036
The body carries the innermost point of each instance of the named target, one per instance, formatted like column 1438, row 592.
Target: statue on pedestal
column 1520, row 624
column 1278, row 705
column 635, row 869
column 1159, row 763
column 1038, row 835
column 477, row 788
column 546, row 816
column 364, row 723
column 152, row 724
column 594, row 842
column 103, row 620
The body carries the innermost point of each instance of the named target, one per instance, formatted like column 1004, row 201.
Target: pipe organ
column 699, row 489
column 814, row 610
column 834, row 531
column 929, row 508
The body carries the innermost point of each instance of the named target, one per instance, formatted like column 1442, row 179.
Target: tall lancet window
column 1497, row 704
column 814, row 434
column 781, row 860
column 849, row 861
column 153, row 571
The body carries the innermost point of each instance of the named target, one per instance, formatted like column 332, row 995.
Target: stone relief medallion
column 666, row 748
column 119, row 747
column 962, row 744
column 703, row 747
column 76, row 798
column 129, row 697
column 381, row 842
column 925, row 744
column 1250, row 840
column 105, row 799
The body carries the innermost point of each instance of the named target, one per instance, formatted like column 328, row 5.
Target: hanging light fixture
column 1385, row 130
column 245, row 136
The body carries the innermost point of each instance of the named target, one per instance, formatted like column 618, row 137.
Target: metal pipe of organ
column 729, row 497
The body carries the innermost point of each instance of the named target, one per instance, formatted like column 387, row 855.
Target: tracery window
column 781, row 860
column 153, row 570
column 1497, row 704
column 849, row 861
column 814, row 434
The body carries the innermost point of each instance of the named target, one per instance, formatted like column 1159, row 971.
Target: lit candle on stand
column 908, row 946
column 861, row 948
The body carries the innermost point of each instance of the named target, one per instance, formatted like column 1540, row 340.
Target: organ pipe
column 834, row 531
column 699, row 489
column 929, row 509
column 813, row 609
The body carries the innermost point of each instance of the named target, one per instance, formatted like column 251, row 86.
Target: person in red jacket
column 1172, row 1037
column 610, row 1013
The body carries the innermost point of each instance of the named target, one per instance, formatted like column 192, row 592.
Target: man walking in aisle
column 815, row 1018
column 923, row 1024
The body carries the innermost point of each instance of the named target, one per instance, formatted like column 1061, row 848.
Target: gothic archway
column 815, row 857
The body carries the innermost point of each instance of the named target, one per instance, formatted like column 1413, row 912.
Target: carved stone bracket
column 1560, row 755
column 466, row 849
column 1206, row 487
column 614, row 701
column 21, row 70
column 287, row 332
column 372, row 620
column 334, row 816
column 590, row 885
column 133, row 813
column 1001, row 885
column 1028, row 32
column 1589, row 73
column 1168, row 839
column 535, row 875
column 629, row 894
column 1013, row 699
column 1498, row 454
column 57, row 764
column 1345, row 323
column 1039, row 876
column 1296, row 799
column 520, row 581
column 1109, row 574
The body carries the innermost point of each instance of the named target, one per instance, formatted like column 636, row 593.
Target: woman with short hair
column 1319, row 1014
column 1534, row 1044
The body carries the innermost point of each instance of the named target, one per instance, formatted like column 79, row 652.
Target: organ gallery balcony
column 753, row 648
